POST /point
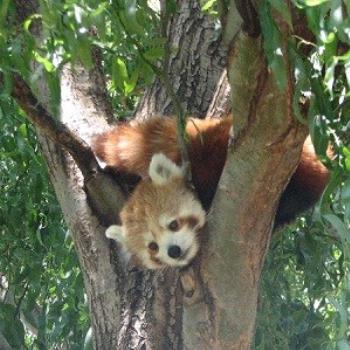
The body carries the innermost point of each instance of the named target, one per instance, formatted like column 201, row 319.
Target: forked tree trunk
column 213, row 304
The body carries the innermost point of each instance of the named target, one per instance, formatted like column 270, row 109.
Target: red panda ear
column 162, row 169
column 116, row 233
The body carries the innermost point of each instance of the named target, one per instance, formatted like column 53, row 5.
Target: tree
column 58, row 68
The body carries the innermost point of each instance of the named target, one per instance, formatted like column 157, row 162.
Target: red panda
column 162, row 218
column 164, row 203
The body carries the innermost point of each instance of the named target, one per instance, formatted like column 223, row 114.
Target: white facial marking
column 185, row 239
column 115, row 232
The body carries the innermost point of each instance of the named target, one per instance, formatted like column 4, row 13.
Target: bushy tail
column 129, row 147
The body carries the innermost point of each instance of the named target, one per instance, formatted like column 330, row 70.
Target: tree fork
column 143, row 309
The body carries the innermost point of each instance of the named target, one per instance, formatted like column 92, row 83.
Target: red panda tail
column 129, row 147
column 305, row 187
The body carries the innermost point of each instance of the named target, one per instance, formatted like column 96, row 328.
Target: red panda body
column 129, row 148
column 162, row 218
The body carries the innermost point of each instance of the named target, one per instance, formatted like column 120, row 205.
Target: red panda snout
column 162, row 218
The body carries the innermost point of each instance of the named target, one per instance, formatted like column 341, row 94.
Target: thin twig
column 18, row 304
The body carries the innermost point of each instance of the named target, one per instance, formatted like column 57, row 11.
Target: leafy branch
column 53, row 128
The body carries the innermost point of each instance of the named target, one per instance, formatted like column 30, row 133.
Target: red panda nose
column 174, row 251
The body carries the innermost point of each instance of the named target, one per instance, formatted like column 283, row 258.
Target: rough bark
column 97, row 258
column 129, row 309
column 134, row 309
column 241, row 219
column 196, row 68
column 265, row 149
column 197, row 58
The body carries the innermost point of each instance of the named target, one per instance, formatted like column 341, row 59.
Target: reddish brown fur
column 129, row 148
column 311, row 173
column 190, row 221
column 142, row 212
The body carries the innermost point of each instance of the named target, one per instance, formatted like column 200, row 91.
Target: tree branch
column 251, row 24
column 53, row 128
column 101, row 188
column 19, row 303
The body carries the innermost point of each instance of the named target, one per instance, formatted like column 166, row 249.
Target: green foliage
column 127, row 33
column 305, row 296
column 209, row 6
column 305, row 290
column 273, row 45
column 45, row 305
column 37, row 261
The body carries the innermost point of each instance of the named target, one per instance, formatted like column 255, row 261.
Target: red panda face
column 162, row 219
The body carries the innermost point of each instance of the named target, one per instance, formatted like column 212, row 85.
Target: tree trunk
column 211, row 305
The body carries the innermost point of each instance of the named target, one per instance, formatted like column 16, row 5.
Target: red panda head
column 162, row 218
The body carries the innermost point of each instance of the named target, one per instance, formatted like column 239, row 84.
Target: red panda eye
column 153, row 246
column 173, row 226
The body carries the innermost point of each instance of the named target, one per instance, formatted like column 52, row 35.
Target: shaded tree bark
column 197, row 59
column 212, row 305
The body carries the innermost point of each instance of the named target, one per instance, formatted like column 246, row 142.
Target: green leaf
column 313, row 2
column 302, row 81
column 102, row 7
column 23, row 130
column 346, row 153
column 48, row 65
column 129, row 18
column 53, row 82
column 29, row 20
column 171, row 6
column 345, row 195
column 318, row 134
column 11, row 327
column 130, row 84
column 329, row 77
column 343, row 315
column 6, row 88
column 154, row 53
column 84, row 52
column 341, row 229
column 208, row 5
column 3, row 12
column 282, row 8
column 272, row 44
column 330, row 47
column 119, row 73
column 336, row 16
